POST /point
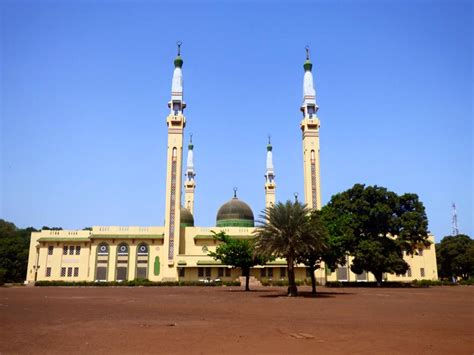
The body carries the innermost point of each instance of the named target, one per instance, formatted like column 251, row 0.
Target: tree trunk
column 378, row 277
column 247, row 277
column 313, row 280
column 292, row 289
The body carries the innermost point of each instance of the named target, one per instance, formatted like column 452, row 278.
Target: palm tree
column 286, row 231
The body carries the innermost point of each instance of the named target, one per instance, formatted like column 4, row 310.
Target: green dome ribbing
column 307, row 65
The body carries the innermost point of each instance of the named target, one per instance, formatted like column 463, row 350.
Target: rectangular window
column 208, row 272
column 220, row 272
column 263, row 272
column 48, row 272
column 76, row 272
column 308, row 272
column 422, row 272
column 63, row 272
column 200, row 271
column 342, row 274
column 78, row 250
column 227, row 272
column 50, row 250
column 270, row 272
column 182, row 272
column 71, row 250
column 409, row 272
column 283, row 272
column 420, row 252
column 65, row 250
column 69, row 271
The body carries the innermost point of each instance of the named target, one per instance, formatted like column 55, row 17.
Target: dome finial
column 178, row 62
column 191, row 145
column 307, row 64
column 269, row 145
column 179, row 43
column 296, row 197
column 235, row 192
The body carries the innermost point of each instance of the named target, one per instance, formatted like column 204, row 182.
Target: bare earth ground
column 223, row 320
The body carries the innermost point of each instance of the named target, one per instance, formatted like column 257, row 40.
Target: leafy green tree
column 289, row 231
column 238, row 253
column 14, row 248
column 320, row 251
column 376, row 226
column 455, row 256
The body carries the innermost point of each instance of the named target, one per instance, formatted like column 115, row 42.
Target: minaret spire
column 309, row 106
column 177, row 104
column 270, row 185
column 310, row 128
column 189, row 184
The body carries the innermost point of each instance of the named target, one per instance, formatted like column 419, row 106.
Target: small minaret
column 270, row 185
column 176, row 123
column 310, row 128
column 189, row 184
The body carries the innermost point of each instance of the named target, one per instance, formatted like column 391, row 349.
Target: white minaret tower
column 176, row 123
column 189, row 184
column 270, row 185
column 310, row 128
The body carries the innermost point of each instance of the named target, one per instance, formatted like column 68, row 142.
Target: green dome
column 307, row 65
column 235, row 213
column 187, row 219
column 178, row 62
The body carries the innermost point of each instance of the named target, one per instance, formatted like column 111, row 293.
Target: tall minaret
column 310, row 128
column 189, row 184
column 269, row 178
column 176, row 123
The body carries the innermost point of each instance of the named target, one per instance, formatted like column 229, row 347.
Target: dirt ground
column 226, row 320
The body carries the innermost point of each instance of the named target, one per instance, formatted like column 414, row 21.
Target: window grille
column 76, row 272
column 182, row 272
column 50, row 250
column 78, row 250
column 69, row 271
column 48, row 272
column 65, row 250
column 422, row 272
column 63, row 272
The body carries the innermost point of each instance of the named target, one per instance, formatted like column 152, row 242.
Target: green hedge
column 395, row 284
column 269, row 282
column 138, row 282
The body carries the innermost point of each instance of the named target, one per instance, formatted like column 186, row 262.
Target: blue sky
column 85, row 86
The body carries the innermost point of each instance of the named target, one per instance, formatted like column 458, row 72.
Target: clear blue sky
column 85, row 86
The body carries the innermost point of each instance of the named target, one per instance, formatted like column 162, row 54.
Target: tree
column 238, row 253
column 14, row 248
column 321, row 250
column 376, row 226
column 287, row 231
column 455, row 256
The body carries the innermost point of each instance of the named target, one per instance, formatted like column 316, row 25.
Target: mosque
column 179, row 249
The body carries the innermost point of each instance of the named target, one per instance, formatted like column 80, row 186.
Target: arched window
column 142, row 261
column 102, row 262
column 122, row 262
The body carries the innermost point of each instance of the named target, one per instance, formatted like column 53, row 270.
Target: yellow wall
column 195, row 241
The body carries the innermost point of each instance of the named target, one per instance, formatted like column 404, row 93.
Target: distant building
column 178, row 250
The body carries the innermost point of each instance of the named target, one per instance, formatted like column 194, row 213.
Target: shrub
column 135, row 283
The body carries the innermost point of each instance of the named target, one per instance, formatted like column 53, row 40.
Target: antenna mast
column 455, row 221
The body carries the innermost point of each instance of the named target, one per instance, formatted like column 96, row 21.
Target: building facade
column 179, row 250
